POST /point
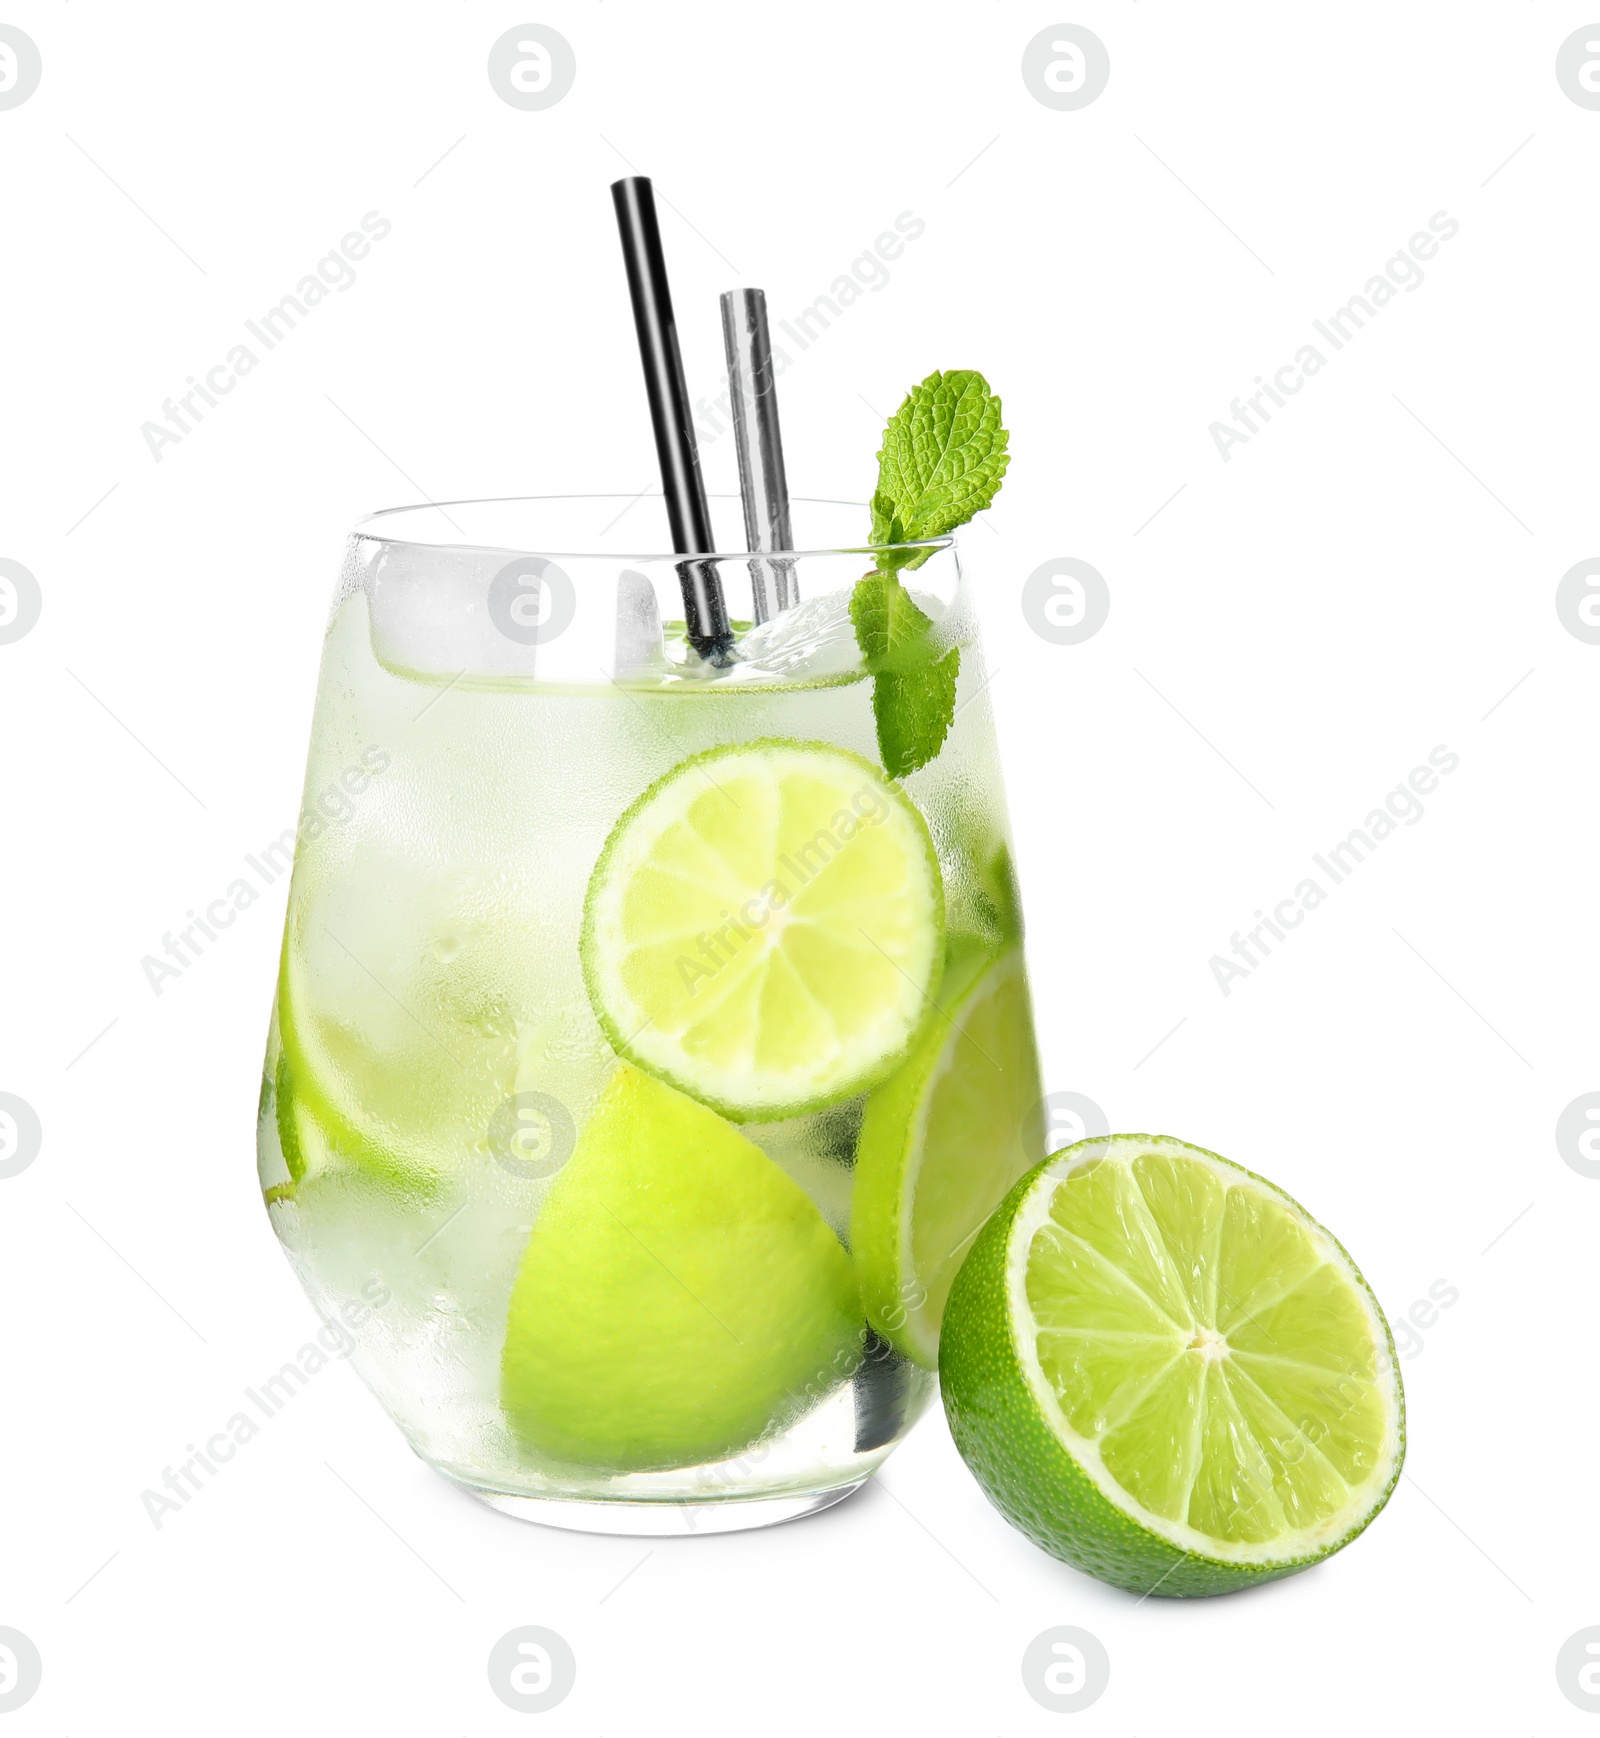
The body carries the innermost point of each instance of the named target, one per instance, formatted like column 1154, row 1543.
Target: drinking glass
column 562, row 1301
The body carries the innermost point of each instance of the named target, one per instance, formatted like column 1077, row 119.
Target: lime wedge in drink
column 763, row 927
column 941, row 1143
column 679, row 1297
column 1165, row 1372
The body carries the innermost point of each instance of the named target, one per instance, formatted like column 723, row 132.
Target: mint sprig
column 913, row 683
column 942, row 461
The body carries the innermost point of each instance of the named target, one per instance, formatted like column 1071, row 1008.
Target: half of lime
column 1164, row 1371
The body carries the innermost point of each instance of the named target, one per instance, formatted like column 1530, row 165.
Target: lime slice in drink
column 679, row 1297
column 941, row 1143
column 315, row 1139
column 300, row 1137
column 416, row 998
column 763, row 928
column 1162, row 1370
column 392, row 1029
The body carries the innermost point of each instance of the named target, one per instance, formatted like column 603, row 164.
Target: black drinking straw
column 704, row 606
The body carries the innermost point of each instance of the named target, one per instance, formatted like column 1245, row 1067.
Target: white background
column 1372, row 575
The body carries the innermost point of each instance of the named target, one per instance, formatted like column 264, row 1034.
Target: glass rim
column 930, row 545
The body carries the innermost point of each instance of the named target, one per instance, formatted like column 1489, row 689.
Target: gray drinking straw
column 755, row 430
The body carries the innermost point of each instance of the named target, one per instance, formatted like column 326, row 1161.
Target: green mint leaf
column 913, row 710
column 913, row 685
column 890, row 630
column 888, row 527
column 943, row 458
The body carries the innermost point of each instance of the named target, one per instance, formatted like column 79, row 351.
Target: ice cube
column 447, row 612
column 815, row 639
column 639, row 648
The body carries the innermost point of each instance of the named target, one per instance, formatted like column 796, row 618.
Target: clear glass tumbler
column 636, row 1168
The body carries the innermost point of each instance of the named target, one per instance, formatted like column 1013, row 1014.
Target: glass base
column 661, row 1519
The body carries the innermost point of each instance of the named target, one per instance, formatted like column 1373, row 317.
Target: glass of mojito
column 651, row 1036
